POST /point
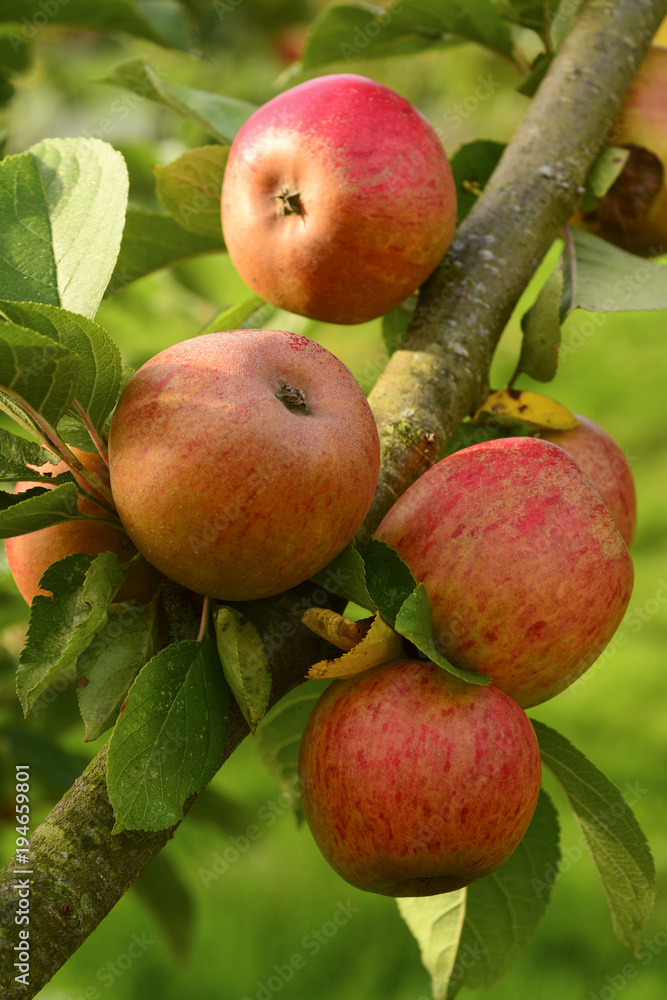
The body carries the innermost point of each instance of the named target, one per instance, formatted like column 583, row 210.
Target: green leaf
column 169, row 739
column 602, row 175
column 361, row 31
column 533, row 14
column 153, row 240
column 21, row 513
column 244, row 663
column 15, row 52
column 100, row 372
column 503, row 910
column 17, row 454
column 472, row 166
column 541, row 330
column 388, row 579
column 436, row 923
column 414, row 622
column 278, row 738
column 61, row 628
column 169, row 19
column 346, row 576
column 220, row 117
column 190, row 188
column 106, row 668
column 145, row 20
column 63, row 206
column 35, row 375
column 472, row 937
column 538, row 71
column 607, row 279
column 617, row 844
column 250, row 314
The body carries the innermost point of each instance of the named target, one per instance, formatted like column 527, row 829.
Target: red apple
column 526, row 573
column 242, row 462
column 338, row 199
column 633, row 213
column 288, row 44
column 30, row 555
column 599, row 455
column 415, row 783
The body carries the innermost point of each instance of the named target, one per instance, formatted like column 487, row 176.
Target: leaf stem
column 205, row 611
column 572, row 267
column 94, row 436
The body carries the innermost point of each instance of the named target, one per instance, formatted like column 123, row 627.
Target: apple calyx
column 293, row 399
column 289, row 202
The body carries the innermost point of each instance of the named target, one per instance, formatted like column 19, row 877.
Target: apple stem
column 335, row 628
column 94, row 436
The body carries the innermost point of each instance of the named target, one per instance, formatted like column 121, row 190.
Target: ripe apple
column 633, row 213
column 243, row 461
column 599, row 455
column 30, row 555
column 414, row 782
column 288, row 44
column 526, row 573
column 338, row 199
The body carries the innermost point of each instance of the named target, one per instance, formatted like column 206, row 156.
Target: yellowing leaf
column 380, row 645
column 521, row 406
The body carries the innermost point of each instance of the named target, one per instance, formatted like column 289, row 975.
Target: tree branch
column 440, row 373
column 438, row 376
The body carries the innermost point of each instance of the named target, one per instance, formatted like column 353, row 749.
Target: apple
column 633, row 213
column 289, row 43
column 526, row 573
column 243, row 461
column 599, row 455
column 338, row 199
column 414, row 782
column 30, row 555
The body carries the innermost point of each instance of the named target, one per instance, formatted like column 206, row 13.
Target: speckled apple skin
column 526, row 573
column 415, row 783
column 30, row 555
column 599, row 455
column 223, row 488
column 376, row 188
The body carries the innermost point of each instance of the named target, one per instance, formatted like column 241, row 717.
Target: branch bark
column 439, row 375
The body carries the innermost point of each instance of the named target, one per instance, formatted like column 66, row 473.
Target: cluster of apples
column 413, row 781
column 242, row 462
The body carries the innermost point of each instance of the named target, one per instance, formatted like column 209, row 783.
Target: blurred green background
column 202, row 934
